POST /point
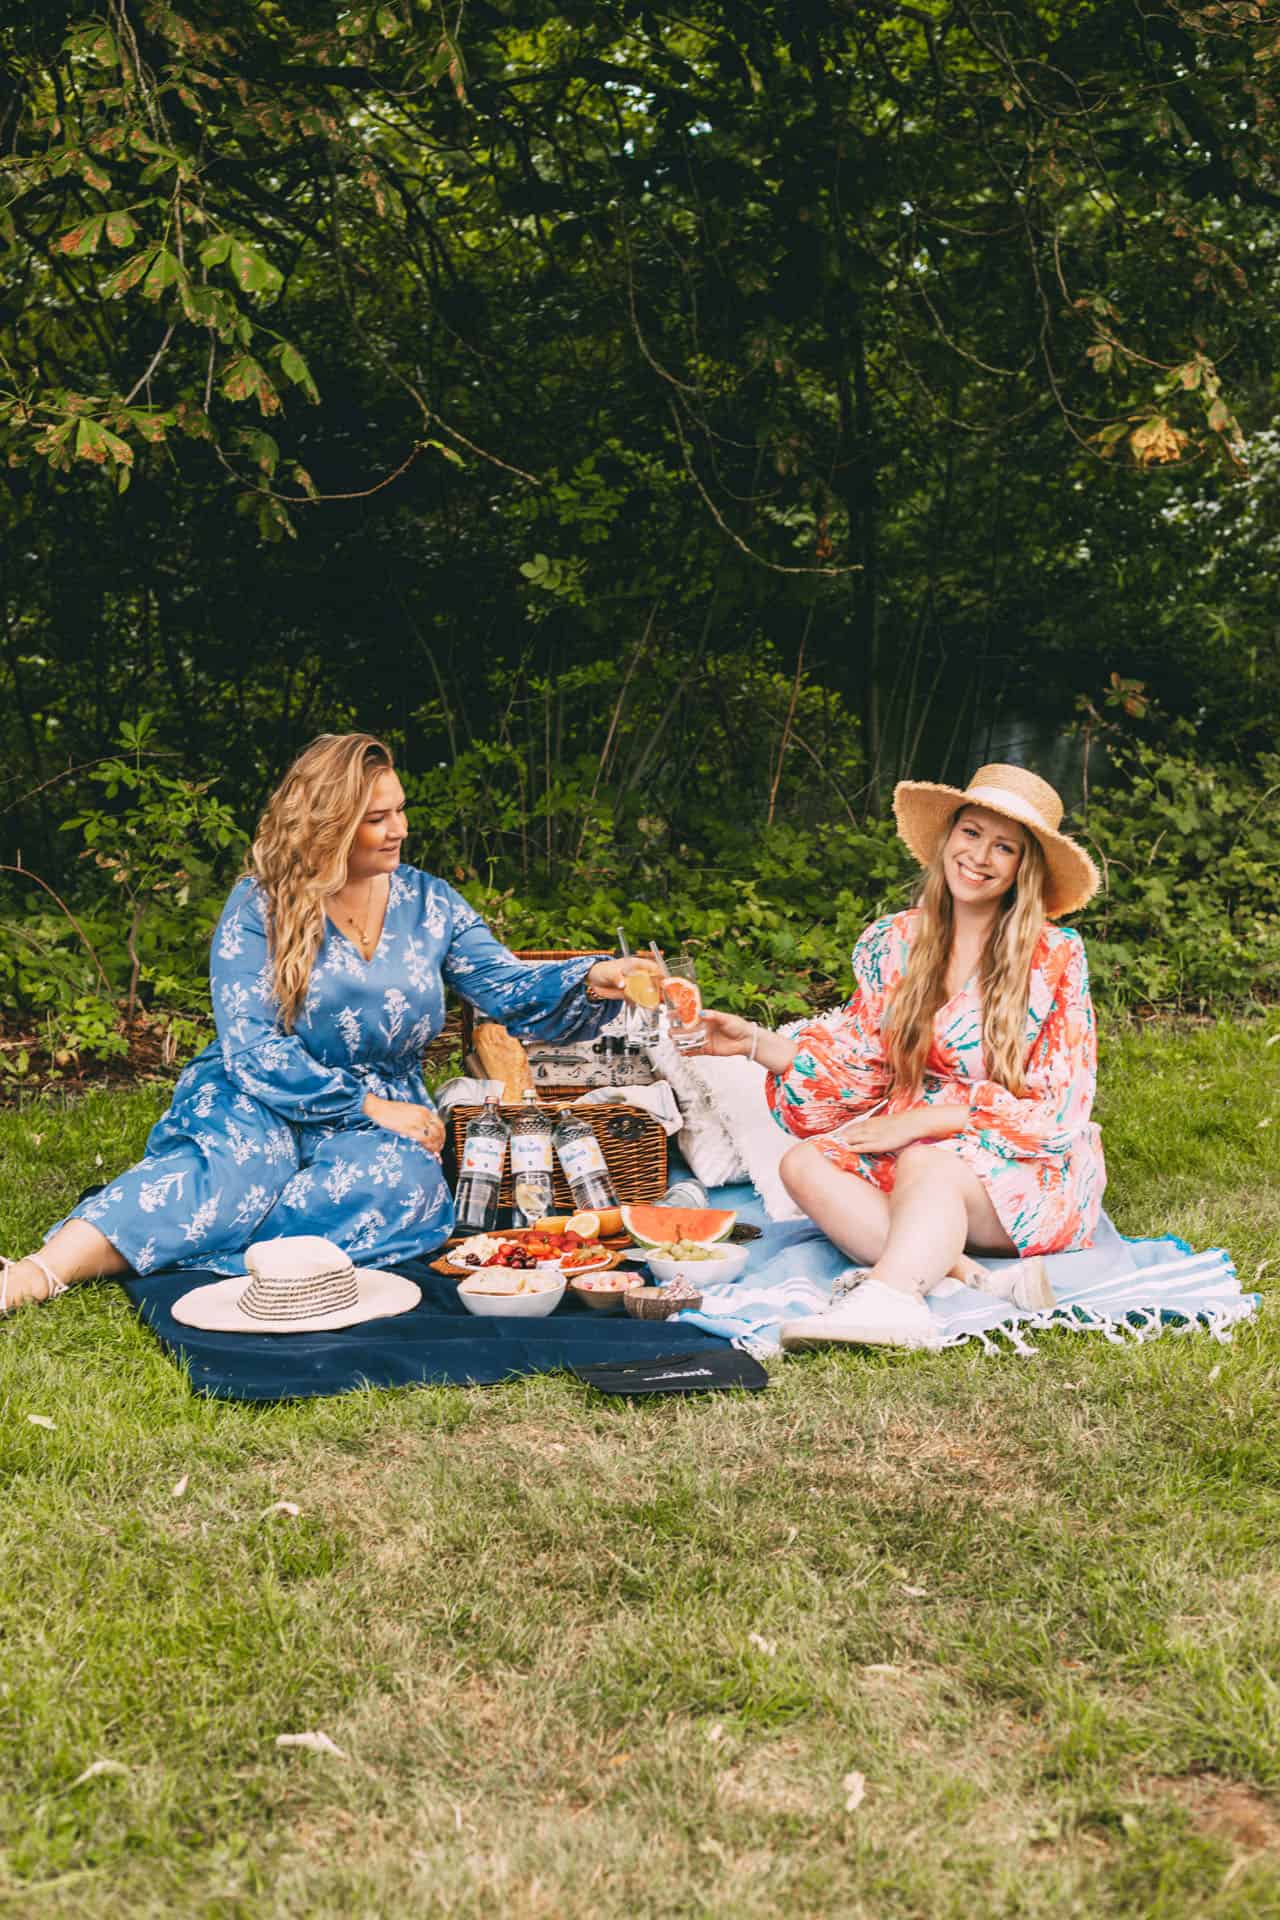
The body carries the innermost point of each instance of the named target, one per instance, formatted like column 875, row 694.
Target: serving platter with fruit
column 570, row 1246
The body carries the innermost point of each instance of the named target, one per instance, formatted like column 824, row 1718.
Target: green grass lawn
column 592, row 1659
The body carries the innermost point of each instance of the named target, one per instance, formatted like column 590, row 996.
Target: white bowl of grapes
column 691, row 1264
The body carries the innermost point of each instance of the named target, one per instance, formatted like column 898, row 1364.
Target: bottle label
column 483, row 1155
column 581, row 1157
column 531, row 1152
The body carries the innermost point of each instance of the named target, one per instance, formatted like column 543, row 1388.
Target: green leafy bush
column 160, row 849
column 1190, row 913
column 1189, row 917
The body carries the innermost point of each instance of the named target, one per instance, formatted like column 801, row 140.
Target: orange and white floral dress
column 1039, row 1157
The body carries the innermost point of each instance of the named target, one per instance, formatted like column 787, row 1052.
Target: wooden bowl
column 658, row 1303
column 608, row 1300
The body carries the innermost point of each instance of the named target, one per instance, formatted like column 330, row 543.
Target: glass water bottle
column 532, row 1163
column 484, row 1153
column 582, row 1159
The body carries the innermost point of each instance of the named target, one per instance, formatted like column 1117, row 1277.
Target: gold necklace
column 362, row 927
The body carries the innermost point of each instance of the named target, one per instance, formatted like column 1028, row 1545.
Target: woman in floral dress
column 309, row 1112
column 944, row 1111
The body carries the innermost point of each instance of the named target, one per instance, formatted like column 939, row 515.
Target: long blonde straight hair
column 299, row 853
column 1004, row 973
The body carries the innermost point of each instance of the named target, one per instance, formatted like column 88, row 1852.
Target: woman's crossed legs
column 911, row 1237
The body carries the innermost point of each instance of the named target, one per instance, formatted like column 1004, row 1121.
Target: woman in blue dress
column 309, row 1113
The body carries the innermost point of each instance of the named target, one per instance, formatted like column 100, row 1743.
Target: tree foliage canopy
column 918, row 343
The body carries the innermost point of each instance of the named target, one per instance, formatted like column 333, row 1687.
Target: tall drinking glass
column 641, row 1023
column 683, row 1001
column 642, row 1001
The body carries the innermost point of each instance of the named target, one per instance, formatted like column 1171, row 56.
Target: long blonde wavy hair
column 1004, row 973
column 299, row 853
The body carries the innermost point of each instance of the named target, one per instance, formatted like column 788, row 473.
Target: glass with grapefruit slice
column 682, row 998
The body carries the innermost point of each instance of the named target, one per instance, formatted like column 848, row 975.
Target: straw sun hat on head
column 925, row 810
column 297, row 1284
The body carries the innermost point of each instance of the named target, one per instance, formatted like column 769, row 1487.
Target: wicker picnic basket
column 633, row 1143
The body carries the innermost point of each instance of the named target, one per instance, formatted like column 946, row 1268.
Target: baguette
column 502, row 1058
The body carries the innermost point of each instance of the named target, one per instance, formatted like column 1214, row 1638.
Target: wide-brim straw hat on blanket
column 924, row 811
column 300, row 1283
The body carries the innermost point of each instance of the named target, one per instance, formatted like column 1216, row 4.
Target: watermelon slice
column 661, row 1226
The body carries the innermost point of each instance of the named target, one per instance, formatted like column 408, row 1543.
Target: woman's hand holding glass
column 605, row 980
column 729, row 1034
column 422, row 1125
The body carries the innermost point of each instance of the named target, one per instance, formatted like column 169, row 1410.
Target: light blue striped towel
column 1121, row 1288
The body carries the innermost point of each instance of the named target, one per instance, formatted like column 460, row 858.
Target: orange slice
column 683, row 998
column 586, row 1225
column 640, row 987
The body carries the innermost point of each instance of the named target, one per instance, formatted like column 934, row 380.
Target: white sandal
column 56, row 1286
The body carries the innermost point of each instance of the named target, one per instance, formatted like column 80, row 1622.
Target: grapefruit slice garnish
column 683, row 998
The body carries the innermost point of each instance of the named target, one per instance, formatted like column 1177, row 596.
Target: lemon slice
column 586, row 1225
column 640, row 987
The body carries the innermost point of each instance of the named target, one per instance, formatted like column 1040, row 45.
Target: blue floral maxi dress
column 266, row 1135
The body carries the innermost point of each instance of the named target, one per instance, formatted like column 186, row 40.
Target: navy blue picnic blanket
column 438, row 1343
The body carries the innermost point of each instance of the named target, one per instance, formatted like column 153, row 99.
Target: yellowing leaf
column 84, row 238
column 165, row 269
column 252, row 271
column 127, row 277
column 1156, row 442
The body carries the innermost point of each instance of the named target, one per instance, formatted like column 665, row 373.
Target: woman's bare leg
column 851, row 1212
column 937, row 1208
column 76, row 1251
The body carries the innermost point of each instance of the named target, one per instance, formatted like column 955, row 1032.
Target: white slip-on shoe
column 1027, row 1286
column 847, row 1282
column 873, row 1316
